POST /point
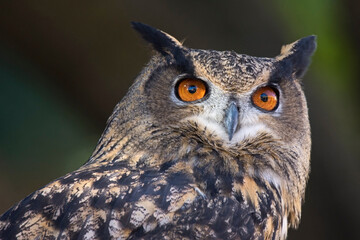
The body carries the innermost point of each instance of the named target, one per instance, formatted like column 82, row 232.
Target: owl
column 205, row 145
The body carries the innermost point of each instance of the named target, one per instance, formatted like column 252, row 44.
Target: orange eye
column 191, row 89
column 265, row 98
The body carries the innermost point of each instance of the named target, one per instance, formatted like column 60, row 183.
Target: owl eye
column 265, row 98
column 189, row 90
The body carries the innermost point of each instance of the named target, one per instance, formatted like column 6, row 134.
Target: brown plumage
column 220, row 167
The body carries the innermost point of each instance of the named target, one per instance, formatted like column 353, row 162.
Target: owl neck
column 244, row 170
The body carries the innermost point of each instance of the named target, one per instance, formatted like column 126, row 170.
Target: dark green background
column 65, row 64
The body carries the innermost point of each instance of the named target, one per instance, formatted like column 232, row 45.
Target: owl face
column 231, row 96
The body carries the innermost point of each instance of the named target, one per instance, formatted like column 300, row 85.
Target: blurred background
column 65, row 64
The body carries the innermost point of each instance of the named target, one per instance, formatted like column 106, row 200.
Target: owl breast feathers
column 205, row 145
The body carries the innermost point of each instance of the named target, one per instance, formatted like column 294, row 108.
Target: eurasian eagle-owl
column 205, row 145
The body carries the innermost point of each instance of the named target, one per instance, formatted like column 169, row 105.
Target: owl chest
column 227, row 209
column 225, row 205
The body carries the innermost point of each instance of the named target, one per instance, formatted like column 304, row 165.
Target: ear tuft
column 298, row 55
column 161, row 41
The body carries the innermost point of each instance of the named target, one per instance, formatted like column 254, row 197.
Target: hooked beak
column 231, row 120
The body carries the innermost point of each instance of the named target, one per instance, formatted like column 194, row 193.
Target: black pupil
column 192, row 89
column 264, row 97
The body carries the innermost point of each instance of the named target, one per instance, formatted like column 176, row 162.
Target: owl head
column 219, row 110
column 234, row 96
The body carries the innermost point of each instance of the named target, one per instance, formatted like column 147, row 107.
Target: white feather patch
column 284, row 228
column 250, row 129
column 271, row 177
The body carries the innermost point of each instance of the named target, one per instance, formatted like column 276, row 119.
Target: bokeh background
column 65, row 64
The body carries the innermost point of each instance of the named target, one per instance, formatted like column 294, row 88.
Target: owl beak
column 231, row 120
